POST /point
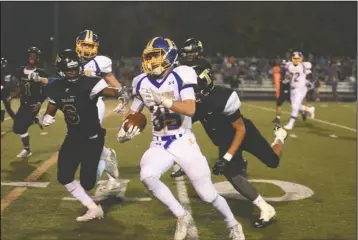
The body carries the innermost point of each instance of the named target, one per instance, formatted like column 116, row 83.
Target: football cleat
column 304, row 115
column 312, row 112
column 288, row 126
column 24, row 154
column 267, row 217
column 182, row 226
column 91, row 214
column 276, row 120
column 112, row 164
column 279, row 132
column 236, row 233
column 178, row 173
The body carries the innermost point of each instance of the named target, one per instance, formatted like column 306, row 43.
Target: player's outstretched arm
column 111, row 80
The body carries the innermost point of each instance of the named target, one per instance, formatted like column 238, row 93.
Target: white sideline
column 185, row 201
column 315, row 119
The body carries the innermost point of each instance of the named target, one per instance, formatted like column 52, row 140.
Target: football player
column 6, row 89
column 31, row 98
column 217, row 108
column 76, row 95
column 168, row 93
column 87, row 44
column 299, row 72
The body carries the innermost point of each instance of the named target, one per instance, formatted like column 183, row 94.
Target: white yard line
column 185, row 201
column 315, row 119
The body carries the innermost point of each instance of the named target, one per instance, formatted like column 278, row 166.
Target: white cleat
column 312, row 111
column 109, row 186
column 288, row 126
column 24, row 154
column 266, row 217
column 112, row 164
column 279, row 132
column 91, row 214
column 182, row 226
column 236, row 233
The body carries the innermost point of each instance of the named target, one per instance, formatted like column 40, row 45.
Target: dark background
column 232, row 28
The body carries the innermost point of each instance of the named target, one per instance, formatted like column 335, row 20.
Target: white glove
column 34, row 76
column 47, row 120
column 155, row 98
column 120, row 109
column 124, row 136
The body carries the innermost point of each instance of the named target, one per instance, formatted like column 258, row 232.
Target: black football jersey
column 199, row 64
column 78, row 102
column 217, row 112
column 30, row 92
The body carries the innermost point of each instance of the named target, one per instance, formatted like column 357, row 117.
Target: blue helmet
column 159, row 55
column 87, row 44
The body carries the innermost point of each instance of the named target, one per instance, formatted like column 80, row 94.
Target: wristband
column 227, row 156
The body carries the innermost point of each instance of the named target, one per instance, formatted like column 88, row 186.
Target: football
column 135, row 119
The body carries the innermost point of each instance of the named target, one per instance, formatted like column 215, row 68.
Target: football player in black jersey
column 31, row 98
column 5, row 89
column 76, row 95
column 218, row 111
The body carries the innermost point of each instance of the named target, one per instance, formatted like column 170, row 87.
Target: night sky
column 238, row 28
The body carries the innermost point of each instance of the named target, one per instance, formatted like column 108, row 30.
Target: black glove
column 220, row 166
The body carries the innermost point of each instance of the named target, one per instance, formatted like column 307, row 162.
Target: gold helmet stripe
column 169, row 42
column 150, row 43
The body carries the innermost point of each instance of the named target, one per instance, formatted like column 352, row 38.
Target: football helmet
column 87, row 44
column 69, row 65
column 159, row 55
column 192, row 49
column 205, row 85
column 33, row 55
column 297, row 57
column 3, row 63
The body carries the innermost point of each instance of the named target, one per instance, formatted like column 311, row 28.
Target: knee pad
column 150, row 182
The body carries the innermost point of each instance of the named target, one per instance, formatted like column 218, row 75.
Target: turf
column 324, row 164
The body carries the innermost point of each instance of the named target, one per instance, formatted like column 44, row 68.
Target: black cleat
column 304, row 116
column 276, row 120
column 260, row 223
column 177, row 174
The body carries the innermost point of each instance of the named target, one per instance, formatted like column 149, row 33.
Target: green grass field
column 313, row 158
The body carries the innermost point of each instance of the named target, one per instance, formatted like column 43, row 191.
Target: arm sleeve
column 137, row 105
column 232, row 107
column 102, row 84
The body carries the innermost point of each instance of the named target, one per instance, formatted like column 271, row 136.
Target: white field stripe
column 26, row 184
column 185, row 201
column 315, row 119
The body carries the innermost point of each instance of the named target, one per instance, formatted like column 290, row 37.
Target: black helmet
column 192, row 49
column 33, row 55
column 69, row 65
column 205, row 85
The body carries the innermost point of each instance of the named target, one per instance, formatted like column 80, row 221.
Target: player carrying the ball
column 167, row 91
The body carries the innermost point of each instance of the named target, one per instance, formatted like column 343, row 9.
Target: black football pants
column 77, row 150
column 253, row 143
column 24, row 118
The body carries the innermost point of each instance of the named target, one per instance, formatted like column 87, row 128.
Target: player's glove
column 47, row 120
column 220, row 166
column 34, row 76
column 124, row 136
column 155, row 98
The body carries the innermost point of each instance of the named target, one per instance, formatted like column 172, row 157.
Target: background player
column 6, row 89
column 76, row 96
column 299, row 71
column 31, row 98
column 167, row 91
